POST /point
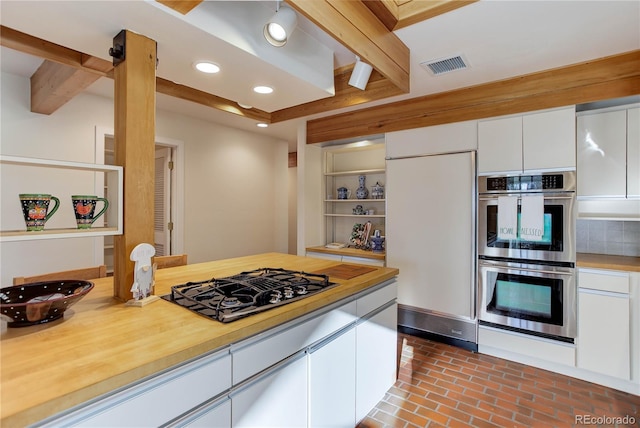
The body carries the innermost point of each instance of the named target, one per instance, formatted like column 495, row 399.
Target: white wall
column 235, row 181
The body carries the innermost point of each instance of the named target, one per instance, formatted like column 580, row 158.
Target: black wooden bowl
column 40, row 302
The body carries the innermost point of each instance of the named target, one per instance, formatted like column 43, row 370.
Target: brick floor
column 444, row 386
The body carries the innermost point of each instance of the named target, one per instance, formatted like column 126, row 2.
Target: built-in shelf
column 354, row 200
column 356, row 215
column 23, row 235
column 356, row 172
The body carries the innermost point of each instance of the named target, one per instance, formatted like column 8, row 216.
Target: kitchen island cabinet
column 120, row 347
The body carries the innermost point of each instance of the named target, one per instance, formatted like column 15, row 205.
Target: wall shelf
column 70, row 232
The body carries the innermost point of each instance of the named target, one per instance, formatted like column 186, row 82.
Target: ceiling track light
column 360, row 74
column 278, row 29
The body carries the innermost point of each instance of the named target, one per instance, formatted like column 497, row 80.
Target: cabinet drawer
column 615, row 282
column 377, row 298
column 159, row 399
column 258, row 353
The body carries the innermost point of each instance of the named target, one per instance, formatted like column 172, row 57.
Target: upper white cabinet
column 633, row 152
column 602, row 153
column 431, row 140
column 543, row 140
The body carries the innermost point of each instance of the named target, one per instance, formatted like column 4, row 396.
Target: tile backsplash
column 620, row 238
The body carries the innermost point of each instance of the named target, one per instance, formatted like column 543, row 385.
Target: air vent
column 444, row 65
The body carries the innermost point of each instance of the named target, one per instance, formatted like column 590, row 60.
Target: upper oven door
column 558, row 240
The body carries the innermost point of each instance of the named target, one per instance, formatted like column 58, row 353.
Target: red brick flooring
column 444, row 386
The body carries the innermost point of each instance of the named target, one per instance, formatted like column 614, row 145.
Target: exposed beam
column 387, row 11
column 345, row 96
column 182, row 6
column 26, row 43
column 54, row 84
column 357, row 28
column 599, row 79
column 395, row 14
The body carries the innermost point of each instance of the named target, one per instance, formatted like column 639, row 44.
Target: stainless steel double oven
column 528, row 286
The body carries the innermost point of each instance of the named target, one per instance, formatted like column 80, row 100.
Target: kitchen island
column 102, row 345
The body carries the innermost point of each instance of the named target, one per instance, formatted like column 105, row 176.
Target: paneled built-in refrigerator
column 431, row 238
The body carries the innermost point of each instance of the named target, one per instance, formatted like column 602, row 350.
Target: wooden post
column 135, row 105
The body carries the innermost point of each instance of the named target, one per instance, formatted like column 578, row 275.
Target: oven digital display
column 523, row 298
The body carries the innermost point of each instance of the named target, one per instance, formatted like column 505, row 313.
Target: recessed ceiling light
column 245, row 106
column 207, row 67
column 262, row 125
column 263, row 89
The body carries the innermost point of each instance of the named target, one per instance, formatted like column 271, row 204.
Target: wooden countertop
column 350, row 252
column 603, row 261
column 101, row 344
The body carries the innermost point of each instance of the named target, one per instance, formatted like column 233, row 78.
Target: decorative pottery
column 362, row 192
column 343, row 193
column 40, row 302
column 377, row 191
column 377, row 242
column 358, row 210
column 35, row 209
column 84, row 207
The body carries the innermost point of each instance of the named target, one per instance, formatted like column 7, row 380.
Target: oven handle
column 520, row 195
column 502, row 266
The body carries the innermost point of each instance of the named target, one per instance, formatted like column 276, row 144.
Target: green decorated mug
column 35, row 209
column 84, row 207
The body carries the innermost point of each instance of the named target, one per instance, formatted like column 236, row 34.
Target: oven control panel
column 527, row 183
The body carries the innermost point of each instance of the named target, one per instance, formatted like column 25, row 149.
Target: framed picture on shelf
column 360, row 235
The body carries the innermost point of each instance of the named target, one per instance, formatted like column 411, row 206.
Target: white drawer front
column 256, row 354
column 614, row 281
column 377, row 298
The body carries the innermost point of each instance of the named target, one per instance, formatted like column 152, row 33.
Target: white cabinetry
column 277, row 398
column 20, row 173
column 603, row 343
column 543, row 140
column 333, row 363
column 608, row 143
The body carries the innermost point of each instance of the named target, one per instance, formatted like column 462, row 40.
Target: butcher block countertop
column 102, row 344
column 603, row 261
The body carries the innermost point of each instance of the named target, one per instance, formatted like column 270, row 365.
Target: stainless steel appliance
column 230, row 298
column 528, row 285
column 431, row 236
column 532, row 298
column 558, row 243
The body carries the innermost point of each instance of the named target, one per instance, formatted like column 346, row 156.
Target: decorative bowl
column 40, row 302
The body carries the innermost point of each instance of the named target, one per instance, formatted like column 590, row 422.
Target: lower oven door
column 534, row 299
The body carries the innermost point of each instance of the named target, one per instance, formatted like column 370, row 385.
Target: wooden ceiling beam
column 182, row 6
column 358, row 29
column 415, row 11
column 54, row 84
column 599, row 79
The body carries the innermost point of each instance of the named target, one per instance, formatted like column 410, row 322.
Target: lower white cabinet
column 332, row 382
column 214, row 414
column 603, row 343
column 376, row 352
column 347, row 259
column 277, row 398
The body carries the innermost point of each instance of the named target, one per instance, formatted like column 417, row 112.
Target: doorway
column 168, row 196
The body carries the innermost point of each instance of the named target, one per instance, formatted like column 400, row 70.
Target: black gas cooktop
column 230, row 298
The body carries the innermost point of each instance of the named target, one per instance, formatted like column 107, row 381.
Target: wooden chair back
column 83, row 274
column 170, row 261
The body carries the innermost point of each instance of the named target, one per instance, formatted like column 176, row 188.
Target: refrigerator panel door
column 431, row 231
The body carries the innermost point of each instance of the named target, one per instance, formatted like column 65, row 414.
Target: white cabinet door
column 376, row 358
column 332, row 382
column 601, row 150
column 500, row 145
column 633, row 153
column 277, row 399
column 604, row 341
column 213, row 415
column 549, row 139
column 603, row 333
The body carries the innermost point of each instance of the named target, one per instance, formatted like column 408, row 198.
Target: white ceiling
column 498, row 39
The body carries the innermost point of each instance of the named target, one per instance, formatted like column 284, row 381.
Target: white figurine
column 143, row 271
